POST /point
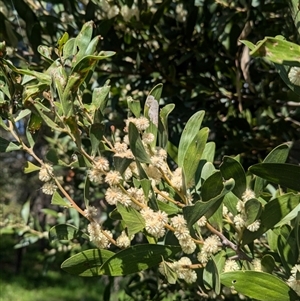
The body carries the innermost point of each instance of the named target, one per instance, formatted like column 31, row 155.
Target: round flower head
column 142, row 123
column 211, row 244
column 101, row 164
column 254, row 226
column 231, row 265
column 123, row 240
column 91, row 212
column 46, row 173
column 49, row 188
column 95, row 175
column 113, row 177
column 248, row 195
column 294, row 76
column 112, row 195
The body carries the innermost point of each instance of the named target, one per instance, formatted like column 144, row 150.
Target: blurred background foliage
column 190, row 46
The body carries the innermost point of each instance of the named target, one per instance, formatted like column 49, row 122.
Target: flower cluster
column 46, row 175
column 155, row 222
column 181, row 268
column 240, row 219
column 98, row 236
column 182, row 233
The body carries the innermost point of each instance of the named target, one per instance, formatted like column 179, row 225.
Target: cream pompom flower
column 294, row 76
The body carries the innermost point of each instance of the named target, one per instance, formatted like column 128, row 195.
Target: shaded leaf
column 286, row 175
column 272, row 213
column 138, row 258
column 277, row 155
column 136, row 144
column 8, row 146
column 66, row 232
column 231, row 168
column 87, row 263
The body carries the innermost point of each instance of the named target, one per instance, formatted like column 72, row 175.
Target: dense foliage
column 87, row 119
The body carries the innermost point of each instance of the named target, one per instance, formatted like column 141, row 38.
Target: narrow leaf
column 286, row 175
column 190, row 131
column 258, row 285
column 87, row 263
column 138, row 258
column 136, row 144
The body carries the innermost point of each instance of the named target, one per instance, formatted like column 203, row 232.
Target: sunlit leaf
column 58, row 200
column 271, row 214
column 133, row 219
column 258, row 285
column 189, row 133
column 30, row 167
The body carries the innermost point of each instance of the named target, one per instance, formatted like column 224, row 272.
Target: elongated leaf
column 22, row 114
column 136, row 145
column 283, row 71
column 163, row 129
column 132, row 218
column 286, row 175
column 272, row 213
column 189, row 133
column 131, row 260
column 25, row 212
column 211, row 277
column 294, row 8
column 258, row 285
column 231, row 168
column 121, row 164
column 66, row 232
column 193, row 156
column 277, row 50
column 277, row 155
column 87, row 263
column 169, row 208
column 209, row 152
column 99, row 98
column 134, row 106
column 138, row 258
column 96, row 135
column 268, row 264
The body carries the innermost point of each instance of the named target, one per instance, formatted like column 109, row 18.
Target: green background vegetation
column 196, row 54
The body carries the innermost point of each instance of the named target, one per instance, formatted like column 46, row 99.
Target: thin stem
column 168, row 198
column 226, row 242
